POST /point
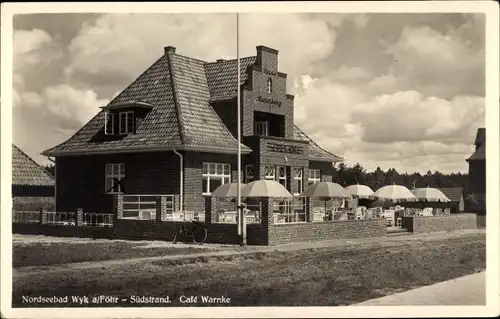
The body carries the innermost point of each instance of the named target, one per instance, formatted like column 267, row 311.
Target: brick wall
column 33, row 203
column 63, row 231
column 194, row 200
column 81, row 179
column 427, row 224
column 286, row 233
column 477, row 176
column 166, row 230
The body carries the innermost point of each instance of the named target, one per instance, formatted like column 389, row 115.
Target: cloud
column 121, row 46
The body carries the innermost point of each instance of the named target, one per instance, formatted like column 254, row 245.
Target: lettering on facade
column 268, row 101
column 284, row 148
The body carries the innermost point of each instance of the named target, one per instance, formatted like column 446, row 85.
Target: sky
column 395, row 90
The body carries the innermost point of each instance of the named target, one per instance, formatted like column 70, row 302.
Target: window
column 269, row 172
column 249, row 176
column 297, row 178
column 214, row 175
column 115, row 173
column 262, row 128
column 282, row 175
column 127, row 122
column 314, row 176
column 269, row 85
column 119, row 123
column 109, row 123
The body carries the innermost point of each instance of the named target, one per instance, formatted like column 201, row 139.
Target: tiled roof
column 179, row 89
column 222, row 77
column 315, row 151
column 26, row 172
column 479, row 154
column 453, row 193
column 181, row 116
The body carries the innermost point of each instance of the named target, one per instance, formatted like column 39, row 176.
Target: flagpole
column 241, row 217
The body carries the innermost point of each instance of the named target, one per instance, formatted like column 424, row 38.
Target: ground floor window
column 269, row 172
column 314, row 176
column 214, row 175
column 249, row 173
column 115, row 173
column 298, row 180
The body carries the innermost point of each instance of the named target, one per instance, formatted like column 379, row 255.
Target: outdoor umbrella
column 265, row 188
column 430, row 194
column 394, row 193
column 360, row 191
column 228, row 190
column 326, row 190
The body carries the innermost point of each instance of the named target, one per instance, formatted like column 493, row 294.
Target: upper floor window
column 262, row 128
column 115, row 173
column 119, row 123
column 314, row 176
column 269, row 85
column 214, row 175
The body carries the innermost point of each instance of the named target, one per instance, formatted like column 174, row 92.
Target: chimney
column 169, row 50
column 267, row 58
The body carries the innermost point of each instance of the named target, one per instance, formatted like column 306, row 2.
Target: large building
column 477, row 165
column 173, row 131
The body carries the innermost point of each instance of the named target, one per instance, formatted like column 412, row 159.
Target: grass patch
column 45, row 254
column 314, row 277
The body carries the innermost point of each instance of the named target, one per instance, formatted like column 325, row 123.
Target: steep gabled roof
column 316, row 152
column 453, row 193
column 181, row 116
column 26, row 172
column 480, row 136
column 222, row 77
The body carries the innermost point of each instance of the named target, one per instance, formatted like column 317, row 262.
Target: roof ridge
column 230, row 60
column 33, row 161
column 182, row 130
column 316, row 144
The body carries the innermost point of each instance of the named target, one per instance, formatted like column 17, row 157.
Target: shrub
column 476, row 203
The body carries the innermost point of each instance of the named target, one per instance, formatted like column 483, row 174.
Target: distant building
column 29, row 179
column 456, row 196
column 477, row 165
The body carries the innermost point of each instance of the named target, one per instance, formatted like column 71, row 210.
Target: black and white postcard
column 281, row 159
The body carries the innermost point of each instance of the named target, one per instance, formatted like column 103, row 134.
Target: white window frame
column 129, row 122
column 262, row 128
column 314, row 176
column 269, row 85
column 298, row 177
column 109, row 123
column 280, row 177
column 213, row 171
column 112, row 172
column 269, row 172
column 249, row 173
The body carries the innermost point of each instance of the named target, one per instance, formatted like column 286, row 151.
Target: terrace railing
column 97, row 220
column 61, row 218
column 26, row 217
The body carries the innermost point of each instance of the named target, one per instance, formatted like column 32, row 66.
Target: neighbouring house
column 456, row 196
column 32, row 186
column 173, row 131
column 477, row 173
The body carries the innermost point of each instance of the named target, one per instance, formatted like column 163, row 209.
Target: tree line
column 356, row 174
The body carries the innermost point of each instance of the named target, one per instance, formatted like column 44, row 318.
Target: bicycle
column 199, row 233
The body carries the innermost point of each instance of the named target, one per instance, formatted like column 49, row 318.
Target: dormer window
column 269, row 85
column 120, row 123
